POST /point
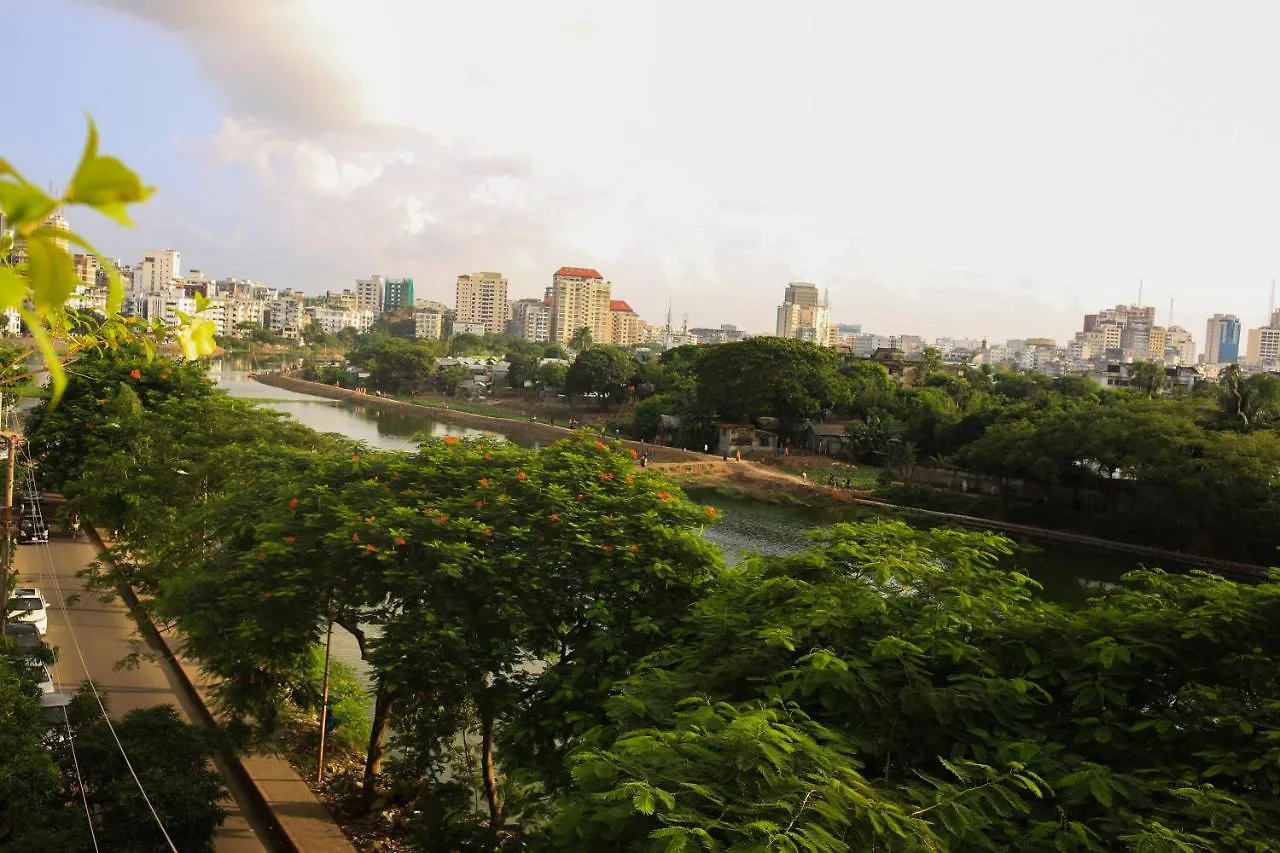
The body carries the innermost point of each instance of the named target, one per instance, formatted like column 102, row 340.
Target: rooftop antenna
column 1170, row 321
column 668, row 315
column 684, row 326
column 1140, row 293
column 1271, row 306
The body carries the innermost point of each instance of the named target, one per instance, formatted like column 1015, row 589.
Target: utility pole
column 11, row 441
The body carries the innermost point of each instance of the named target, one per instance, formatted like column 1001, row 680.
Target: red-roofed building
column 577, row 272
column 579, row 298
column 625, row 326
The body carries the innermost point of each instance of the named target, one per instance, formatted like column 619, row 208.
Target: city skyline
column 947, row 180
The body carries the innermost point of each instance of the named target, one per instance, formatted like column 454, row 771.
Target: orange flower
column 370, row 548
column 488, row 533
column 664, row 496
column 631, row 481
column 164, row 376
column 479, row 504
column 599, row 444
column 371, row 519
column 355, row 537
column 290, row 539
column 450, row 439
column 135, row 374
column 579, row 497
column 293, row 504
column 267, row 594
column 555, row 516
column 608, row 549
column 488, row 456
column 522, row 476
column 355, row 457
column 442, row 518
column 633, row 548
column 634, row 454
column 484, row 482
column 399, row 541
column 711, row 512
column 262, row 554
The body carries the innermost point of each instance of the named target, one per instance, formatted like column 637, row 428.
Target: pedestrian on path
column 75, row 526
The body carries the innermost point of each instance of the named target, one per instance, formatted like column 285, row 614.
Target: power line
column 71, row 741
column 62, row 604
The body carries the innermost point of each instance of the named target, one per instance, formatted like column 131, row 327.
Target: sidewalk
column 302, row 819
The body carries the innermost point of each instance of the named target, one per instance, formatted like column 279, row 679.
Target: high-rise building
column 531, row 320
column 624, row 324
column 1179, row 347
column 397, row 294
column 1263, row 347
column 157, row 270
column 369, row 293
column 579, row 298
column 801, row 315
column 1222, row 339
column 86, row 269
column 482, row 301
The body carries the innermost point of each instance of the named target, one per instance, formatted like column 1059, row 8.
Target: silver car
column 31, row 609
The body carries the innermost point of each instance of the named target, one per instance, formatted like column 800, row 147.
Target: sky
column 980, row 169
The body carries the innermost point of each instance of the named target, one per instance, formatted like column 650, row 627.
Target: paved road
column 105, row 633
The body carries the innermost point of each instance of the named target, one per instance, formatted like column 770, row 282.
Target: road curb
column 285, row 835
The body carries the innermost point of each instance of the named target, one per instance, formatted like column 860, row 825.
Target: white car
column 29, row 608
column 42, row 673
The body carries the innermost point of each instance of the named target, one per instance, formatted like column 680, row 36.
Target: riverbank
column 522, row 430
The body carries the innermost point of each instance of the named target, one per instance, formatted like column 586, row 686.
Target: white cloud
column 715, row 150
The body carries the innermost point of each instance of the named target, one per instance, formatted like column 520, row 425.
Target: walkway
column 105, row 634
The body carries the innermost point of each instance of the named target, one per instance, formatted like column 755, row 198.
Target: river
column 1066, row 574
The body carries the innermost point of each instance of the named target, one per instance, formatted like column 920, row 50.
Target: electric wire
column 66, row 721
column 80, row 653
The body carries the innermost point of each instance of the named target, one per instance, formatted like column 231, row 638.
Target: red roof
column 578, row 272
column 620, row 305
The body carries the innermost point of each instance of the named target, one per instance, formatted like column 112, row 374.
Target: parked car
column 32, row 530
column 24, row 635
column 42, row 673
column 31, row 609
column 53, row 707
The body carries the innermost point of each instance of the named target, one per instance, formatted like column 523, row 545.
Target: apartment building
column 1179, row 347
column 580, row 298
column 625, row 325
column 86, row 267
column 286, row 315
column 531, row 320
column 369, row 294
column 428, row 324
column 332, row 320
column 157, row 270
column 482, row 301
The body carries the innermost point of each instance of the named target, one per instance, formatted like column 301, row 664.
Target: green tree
column 580, row 341
column 871, row 386
column 603, row 371
column 552, row 374
column 896, row 689
column 776, row 377
column 37, row 273
column 400, row 366
column 1148, row 377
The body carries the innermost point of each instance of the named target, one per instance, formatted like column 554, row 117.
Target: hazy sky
column 967, row 169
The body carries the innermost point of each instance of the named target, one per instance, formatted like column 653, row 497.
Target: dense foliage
column 548, row 630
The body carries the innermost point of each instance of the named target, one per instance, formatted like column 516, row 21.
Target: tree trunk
column 377, row 741
column 484, row 708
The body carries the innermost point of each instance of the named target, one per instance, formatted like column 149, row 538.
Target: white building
column 482, row 300
column 369, row 292
column 428, row 325
column 531, row 320
column 477, row 329
column 286, row 315
column 579, row 299
column 334, row 320
column 157, row 270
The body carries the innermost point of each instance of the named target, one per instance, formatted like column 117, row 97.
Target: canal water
column 1066, row 574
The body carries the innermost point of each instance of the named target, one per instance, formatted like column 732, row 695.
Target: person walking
column 75, row 527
